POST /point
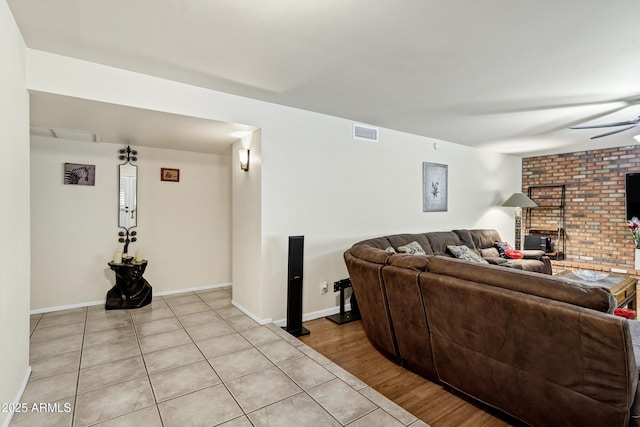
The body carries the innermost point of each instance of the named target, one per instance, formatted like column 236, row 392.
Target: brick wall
column 596, row 233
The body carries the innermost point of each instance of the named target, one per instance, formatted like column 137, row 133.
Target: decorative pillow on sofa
column 501, row 247
column 412, row 248
column 390, row 250
column 466, row 254
column 513, row 253
column 489, row 253
column 507, row 251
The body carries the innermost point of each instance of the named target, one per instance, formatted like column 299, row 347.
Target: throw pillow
column 466, row 254
column 513, row 254
column 501, row 247
column 412, row 248
column 390, row 250
column 624, row 312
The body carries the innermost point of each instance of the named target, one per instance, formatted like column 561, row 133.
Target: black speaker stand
column 298, row 332
column 345, row 316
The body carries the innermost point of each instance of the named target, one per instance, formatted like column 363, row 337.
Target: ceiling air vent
column 366, row 133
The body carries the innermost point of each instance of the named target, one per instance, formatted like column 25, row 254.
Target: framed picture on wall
column 167, row 174
column 434, row 187
column 79, row 174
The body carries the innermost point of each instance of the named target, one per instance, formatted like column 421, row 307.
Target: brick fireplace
column 595, row 211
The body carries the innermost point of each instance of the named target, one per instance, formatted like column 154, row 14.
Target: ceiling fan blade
column 607, row 125
column 589, row 118
column 519, row 105
column 613, row 132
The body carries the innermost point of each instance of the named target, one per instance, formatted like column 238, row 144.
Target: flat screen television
column 633, row 195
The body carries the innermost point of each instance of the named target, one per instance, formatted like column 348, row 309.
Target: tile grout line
column 214, row 369
column 146, row 369
column 75, row 395
column 253, row 346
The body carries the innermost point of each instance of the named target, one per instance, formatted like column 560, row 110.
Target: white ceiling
column 135, row 126
column 505, row 75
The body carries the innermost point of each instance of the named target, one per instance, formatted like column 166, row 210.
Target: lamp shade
column 519, row 200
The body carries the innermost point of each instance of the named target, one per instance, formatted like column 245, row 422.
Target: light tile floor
column 189, row 359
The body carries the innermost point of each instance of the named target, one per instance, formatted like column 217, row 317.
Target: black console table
column 131, row 289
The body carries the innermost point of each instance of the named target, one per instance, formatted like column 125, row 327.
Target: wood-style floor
column 348, row 346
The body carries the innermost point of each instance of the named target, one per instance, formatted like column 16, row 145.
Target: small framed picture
column 434, row 187
column 79, row 174
column 167, row 174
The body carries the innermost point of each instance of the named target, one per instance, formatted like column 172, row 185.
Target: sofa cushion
column 464, row 253
column 439, row 240
column 412, row 248
column 593, row 297
column 490, row 253
column 496, row 260
column 532, row 265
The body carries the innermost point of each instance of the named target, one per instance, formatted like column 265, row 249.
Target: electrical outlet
column 324, row 288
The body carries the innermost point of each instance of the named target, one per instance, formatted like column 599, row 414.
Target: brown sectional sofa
column 543, row 350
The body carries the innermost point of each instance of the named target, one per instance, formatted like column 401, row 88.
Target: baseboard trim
column 66, row 307
column 251, row 315
column 282, row 322
column 315, row 315
column 18, row 398
column 200, row 288
column 101, row 302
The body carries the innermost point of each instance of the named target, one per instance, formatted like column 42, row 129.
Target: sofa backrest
column 483, row 239
column 411, row 262
column 436, row 242
column 376, row 242
column 368, row 286
column 369, row 253
column 542, row 285
column 439, row 240
column 545, row 362
column 398, row 240
column 409, row 320
column 465, row 238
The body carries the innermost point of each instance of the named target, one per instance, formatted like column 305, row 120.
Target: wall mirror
column 127, row 196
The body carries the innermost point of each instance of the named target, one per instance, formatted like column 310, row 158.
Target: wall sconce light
column 244, row 159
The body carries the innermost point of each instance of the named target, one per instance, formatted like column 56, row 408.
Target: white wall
column 14, row 215
column 315, row 179
column 336, row 191
column 183, row 228
column 247, row 225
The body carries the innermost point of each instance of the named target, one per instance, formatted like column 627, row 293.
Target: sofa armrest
column 533, row 254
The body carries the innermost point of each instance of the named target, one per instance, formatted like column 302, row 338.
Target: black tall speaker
column 294, row 288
